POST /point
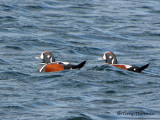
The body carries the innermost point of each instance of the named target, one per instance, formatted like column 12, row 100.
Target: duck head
column 110, row 58
column 47, row 57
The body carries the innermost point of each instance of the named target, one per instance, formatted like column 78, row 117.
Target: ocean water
column 77, row 30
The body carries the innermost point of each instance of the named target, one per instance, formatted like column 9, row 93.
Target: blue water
column 77, row 30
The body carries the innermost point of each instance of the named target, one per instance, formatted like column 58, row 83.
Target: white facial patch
column 110, row 57
column 104, row 57
column 48, row 56
column 42, row 56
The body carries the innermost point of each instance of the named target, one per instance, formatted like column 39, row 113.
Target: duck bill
column 38, row 57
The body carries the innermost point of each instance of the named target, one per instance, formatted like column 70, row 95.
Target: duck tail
column 144, row 67
column 79, row 66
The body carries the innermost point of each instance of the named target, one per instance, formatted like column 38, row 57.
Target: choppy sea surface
column 77, row 30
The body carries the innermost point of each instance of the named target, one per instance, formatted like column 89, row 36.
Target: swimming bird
column 110, row 58
column 49, row 64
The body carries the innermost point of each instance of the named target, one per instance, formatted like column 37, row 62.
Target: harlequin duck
column 110, row 58
column 49, row 64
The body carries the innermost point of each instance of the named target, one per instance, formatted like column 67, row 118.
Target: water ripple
column 12, row 75
column 14, row 47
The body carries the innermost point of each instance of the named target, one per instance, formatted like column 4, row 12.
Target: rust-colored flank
column 119, row 66
column 54, row 68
